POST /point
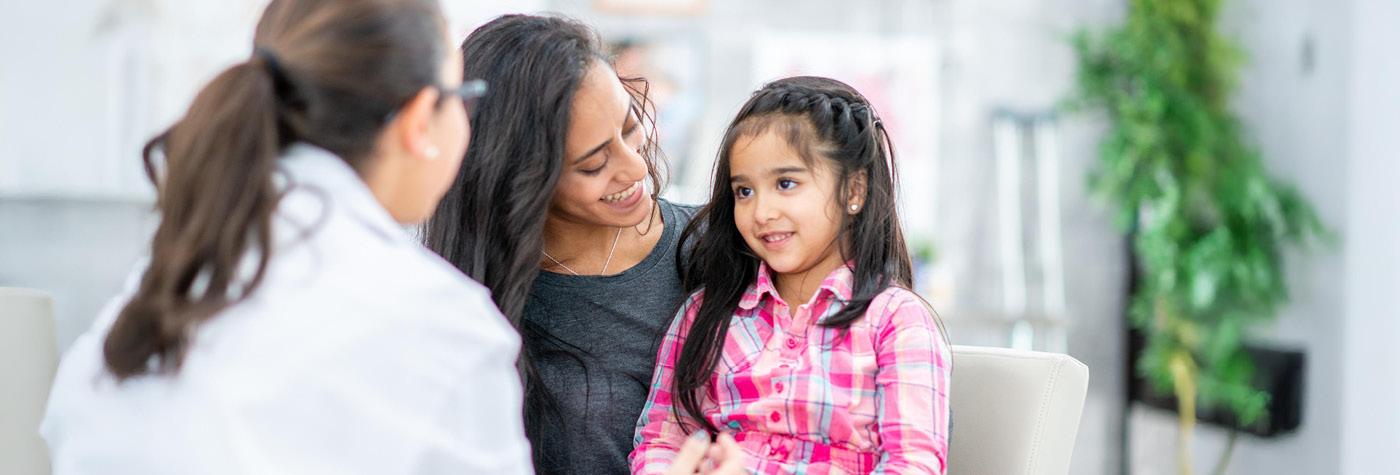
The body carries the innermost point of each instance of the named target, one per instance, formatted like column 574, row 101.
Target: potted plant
column 1207, row 224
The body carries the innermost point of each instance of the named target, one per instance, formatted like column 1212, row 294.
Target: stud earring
column 855, row 208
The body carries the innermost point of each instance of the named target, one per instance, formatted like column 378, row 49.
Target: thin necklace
column 605, row 263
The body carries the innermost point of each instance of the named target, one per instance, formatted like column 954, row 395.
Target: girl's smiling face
column 786, row 208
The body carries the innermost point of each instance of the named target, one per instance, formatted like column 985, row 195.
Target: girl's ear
column 855, row 192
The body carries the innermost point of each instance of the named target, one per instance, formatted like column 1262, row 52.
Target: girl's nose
column 765, row 209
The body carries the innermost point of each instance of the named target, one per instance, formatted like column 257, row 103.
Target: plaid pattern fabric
column 802, row 399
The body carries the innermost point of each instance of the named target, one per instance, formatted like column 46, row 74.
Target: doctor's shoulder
column 411, row 285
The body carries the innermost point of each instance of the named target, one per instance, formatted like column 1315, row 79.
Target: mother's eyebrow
column 592, row 151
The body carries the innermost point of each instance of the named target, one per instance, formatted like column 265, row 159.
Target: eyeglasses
column 470, row 91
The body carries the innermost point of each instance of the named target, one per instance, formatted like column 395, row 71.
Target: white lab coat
column 361, row 352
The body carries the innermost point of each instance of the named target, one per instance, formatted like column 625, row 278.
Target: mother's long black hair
column 490, row 224
column 831, row 125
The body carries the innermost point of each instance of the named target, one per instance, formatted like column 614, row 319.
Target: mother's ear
column 412, row 123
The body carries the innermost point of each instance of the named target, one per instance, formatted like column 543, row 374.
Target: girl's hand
column 699, row 456
column 691, row 458
column 725, row 457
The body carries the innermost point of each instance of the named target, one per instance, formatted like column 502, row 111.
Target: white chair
column 1014, row 412
column 28, row 360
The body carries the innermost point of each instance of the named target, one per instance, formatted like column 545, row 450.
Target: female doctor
column 284, row 321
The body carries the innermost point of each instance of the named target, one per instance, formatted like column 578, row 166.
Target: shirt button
column 792, row 343
column 778, row 387
column 772, row 451
column 775, row 417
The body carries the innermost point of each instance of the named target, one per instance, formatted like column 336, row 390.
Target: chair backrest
column 28, row 360
column 1014, row 412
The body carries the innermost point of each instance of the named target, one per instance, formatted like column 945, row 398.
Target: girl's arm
column 659, row 435
column 912, row 385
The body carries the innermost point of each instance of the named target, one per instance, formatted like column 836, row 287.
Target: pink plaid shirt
column 876, row 402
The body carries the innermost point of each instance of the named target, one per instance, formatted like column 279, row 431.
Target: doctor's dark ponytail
column 324, row 72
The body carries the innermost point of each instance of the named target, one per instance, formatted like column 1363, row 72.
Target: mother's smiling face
column 603, row 178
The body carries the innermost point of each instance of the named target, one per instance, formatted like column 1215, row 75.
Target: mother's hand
column 698, row 455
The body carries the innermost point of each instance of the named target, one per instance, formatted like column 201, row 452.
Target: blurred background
column 1013, row 249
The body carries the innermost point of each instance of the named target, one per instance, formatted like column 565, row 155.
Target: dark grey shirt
column 610, row 328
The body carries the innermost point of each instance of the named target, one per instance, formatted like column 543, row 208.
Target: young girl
column 801, row 335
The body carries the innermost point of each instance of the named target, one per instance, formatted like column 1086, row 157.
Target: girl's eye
column 786, row 184
column 743, row 192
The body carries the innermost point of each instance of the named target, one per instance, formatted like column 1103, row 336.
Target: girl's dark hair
column 325, row 72
column 490, row 224
column 830, row 125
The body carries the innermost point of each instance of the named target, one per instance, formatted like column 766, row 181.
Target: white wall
column 79, row 251
column 1371, row 358
column 86, row 82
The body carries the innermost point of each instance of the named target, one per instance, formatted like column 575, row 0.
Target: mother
column 555, row 209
